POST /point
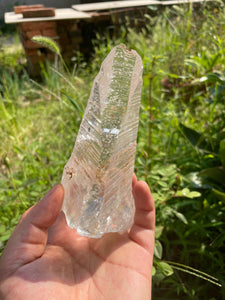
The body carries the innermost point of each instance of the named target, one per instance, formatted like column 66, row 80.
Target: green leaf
column 217, row 174
column 152, row 7
column 159, row 276
column 180, row 216
column 194, row 194
column 215, row 77
column 158, row 231
column 222, row 152
column 203, row 79
column 219, row 195
column 162, row 183
column 153, row 270
column 5, row 237
column 2, row 229
column 187, row 193
column 195, row 138
column 183, row 192
column 158, row 249
column 167, row 171
column 166, row 268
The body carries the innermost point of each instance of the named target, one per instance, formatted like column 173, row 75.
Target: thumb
column 29, row 238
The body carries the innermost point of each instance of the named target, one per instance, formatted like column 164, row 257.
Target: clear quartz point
column 98, row 176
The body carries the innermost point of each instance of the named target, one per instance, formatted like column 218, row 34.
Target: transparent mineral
column 97, row 178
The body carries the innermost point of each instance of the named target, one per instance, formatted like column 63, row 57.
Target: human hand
column 46, row 259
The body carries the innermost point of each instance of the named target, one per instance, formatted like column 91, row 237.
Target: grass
column 181, row 141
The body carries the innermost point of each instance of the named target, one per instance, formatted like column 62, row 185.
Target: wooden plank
column 113, row 5
column 78, row 11
column 60, row 14
column 98, row 6
column 174, row 2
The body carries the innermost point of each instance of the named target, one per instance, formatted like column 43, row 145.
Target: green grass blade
column 75, row 104
column 194, row 272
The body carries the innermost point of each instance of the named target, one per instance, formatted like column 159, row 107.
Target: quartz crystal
column 98, row 176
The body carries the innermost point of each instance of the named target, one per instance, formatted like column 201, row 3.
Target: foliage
column 181, row 141
column 12, row 57
column 48, row 43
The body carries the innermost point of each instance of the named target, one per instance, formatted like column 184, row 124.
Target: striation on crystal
column 98, row 176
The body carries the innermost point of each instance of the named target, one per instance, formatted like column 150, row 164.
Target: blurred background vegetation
column 181, row 140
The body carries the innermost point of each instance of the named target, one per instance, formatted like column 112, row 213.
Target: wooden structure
column 73, row 28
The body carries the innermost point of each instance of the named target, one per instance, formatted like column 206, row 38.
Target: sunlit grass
column 39, row 122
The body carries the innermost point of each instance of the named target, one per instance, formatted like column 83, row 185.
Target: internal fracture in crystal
column 97, row 178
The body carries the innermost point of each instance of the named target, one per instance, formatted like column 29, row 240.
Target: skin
column 46, row 259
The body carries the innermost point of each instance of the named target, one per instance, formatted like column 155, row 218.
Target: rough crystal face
column 97, row 178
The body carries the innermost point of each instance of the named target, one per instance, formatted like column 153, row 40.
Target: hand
column 46, row 259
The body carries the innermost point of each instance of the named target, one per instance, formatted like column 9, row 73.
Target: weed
column 180, row 150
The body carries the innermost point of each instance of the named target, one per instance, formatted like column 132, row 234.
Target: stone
column 98, row 176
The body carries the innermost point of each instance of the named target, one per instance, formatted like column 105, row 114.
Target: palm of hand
column 56, row 263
